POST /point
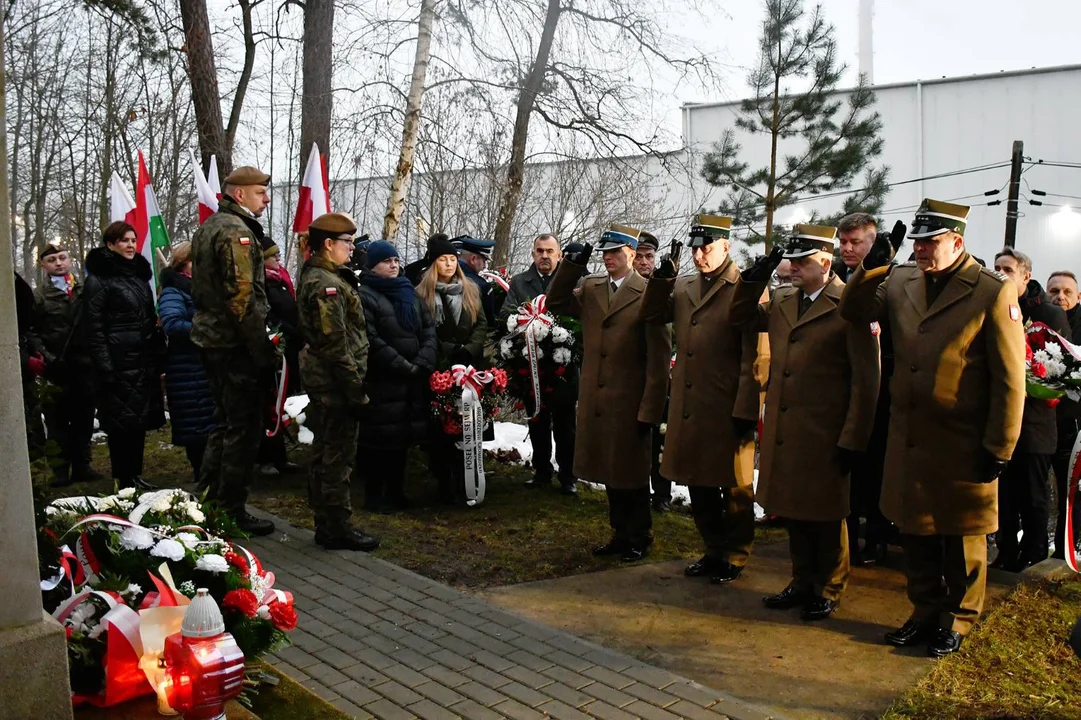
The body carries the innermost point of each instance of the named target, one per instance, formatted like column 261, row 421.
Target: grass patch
column 1015, row 665
column 517, row 535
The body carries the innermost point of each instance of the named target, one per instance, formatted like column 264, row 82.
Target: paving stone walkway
column 377, row 640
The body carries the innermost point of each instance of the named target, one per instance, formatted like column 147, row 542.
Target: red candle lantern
column 204, row 666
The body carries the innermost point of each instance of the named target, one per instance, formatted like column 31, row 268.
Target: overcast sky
column 913, row 39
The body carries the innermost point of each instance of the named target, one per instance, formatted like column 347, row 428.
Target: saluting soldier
column 228, row 287
column 820, row 407
column 717, row 383
column 624, row 381
column 958, row 394
column 474, row 255
column 333, row 366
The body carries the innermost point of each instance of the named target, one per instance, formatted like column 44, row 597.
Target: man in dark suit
column 557, row 413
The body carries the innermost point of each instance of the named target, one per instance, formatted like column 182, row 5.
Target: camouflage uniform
column 333, row 366
column 229, row 292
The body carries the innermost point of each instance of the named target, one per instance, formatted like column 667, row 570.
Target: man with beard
column 1063, row 291
column 556, row 415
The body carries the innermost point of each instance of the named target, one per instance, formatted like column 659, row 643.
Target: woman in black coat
column 127, row 349
column 401, row 357
column 191, row 404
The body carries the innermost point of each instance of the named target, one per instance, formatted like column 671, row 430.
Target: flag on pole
column 314, row 196
column 149, row 227
column 208, row 200
column 121, row 204
column 212, row 177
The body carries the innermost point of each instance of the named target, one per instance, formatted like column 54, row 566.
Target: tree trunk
column 245, row 75
column 772, row 181
column 399, row 186
column 316, row 103
column 204, row 84
column 512, row 191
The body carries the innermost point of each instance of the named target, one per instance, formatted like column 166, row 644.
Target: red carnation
column 242, row 600
column 1052, row 402
column 451, row 427
column 238, row 561
column 283, row 616
column 1039, row 370
column 561, row 370
column 518, row 405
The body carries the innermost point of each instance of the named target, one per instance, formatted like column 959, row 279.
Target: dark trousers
column 1023, row 504
column 865, row 490
column 947, row 579
column 382, row 470
column 195, row 452
column 69, row 420
column 126, row 455
column 819, row 552
column 1067, row 434
column 725, row 520
column 560, row 422
column 334, row 449
column 233, row 444
column 630, row 517
column 272, row 450
column 661, row 486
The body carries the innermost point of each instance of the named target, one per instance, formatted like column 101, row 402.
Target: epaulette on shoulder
column 993, row 273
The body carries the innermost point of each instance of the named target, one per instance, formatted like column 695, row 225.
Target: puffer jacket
column 124, row 341
column 191, row 404
column 397, row 411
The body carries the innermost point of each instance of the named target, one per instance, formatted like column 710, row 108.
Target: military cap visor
column 705, row 229
column 474, row 245
column 648, row 240
column 929, row 225
column 615, row 239
column 334, row 224
column 247, row 175
column 811, row 239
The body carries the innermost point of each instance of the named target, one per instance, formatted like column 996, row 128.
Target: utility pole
column 1015, row 191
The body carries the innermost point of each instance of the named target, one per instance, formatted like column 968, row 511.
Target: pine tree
column 794, row 104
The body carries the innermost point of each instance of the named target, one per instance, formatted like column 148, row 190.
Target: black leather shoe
column 633, row 553
column 252, row 525
column 819, row 608
column 569, row 489
column 352, row 540
column 946, row 642
column 725, row 573
column 141, row 484
column 705, row 566
column 788, row 598
column 913, row 632
column 320, row 536
column 612, row 547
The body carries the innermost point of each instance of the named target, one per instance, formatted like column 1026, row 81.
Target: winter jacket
column 191, row 404
column 397, row 411
column 460, row 342
column 124, row 341
column 336, row 356
column 1039, row 433
column 59, row 325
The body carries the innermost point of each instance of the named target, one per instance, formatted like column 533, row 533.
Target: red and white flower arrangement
column 538, row 353
column 1052, row 365
column 446, row 387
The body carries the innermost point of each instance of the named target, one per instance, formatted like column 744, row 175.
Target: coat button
column 780, row 441
column 604, row 354
column 913, row 368
column 784, row 408
column 600, row 384
column 787, row 374
column 688, row 384
column 690, row 353
column 694, row 322
column 686, row 416
column 922, row 329
column 794, row 338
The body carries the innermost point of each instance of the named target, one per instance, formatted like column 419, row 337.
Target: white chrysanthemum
column 506, row 348
column 1075, row 375
column 664, row 428
column 162, row 504
column 512, row 323
column 126, row 493
column 1055, row 368
column 560, row 335
column 1041, row 356
column 193, row 511
column 1053, row 349
column 540, row 331
column 136, row 538
column 96, row 631
column 212, row 563
column 188, row 540
column 133, row 590
column 561, row 355
column 81, row 619
column 169, row 549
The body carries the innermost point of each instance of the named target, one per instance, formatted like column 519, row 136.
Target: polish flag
column 208, row 198
column 121, row 203
column 314, row 192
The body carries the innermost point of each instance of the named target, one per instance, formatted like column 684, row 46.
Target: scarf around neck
column 401, row 294
column 450, row 294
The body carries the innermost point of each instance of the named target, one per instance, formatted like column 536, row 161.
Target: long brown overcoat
column 624, row 381
column 720, row 373
column 823, row 387
column 959, row 386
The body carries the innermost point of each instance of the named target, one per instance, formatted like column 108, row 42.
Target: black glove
column 844, row 459
column 885, row 247
column 461, row 356
column 990, row 467
column 743, row 426
column 580, row 257
column 669, row 266
column 764, row 265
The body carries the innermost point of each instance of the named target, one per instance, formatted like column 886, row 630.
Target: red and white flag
column 121, row 203
column 206, row 193
column 314, row 193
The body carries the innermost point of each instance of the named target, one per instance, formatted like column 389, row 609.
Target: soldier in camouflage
column 229, row 292
column 333, row 365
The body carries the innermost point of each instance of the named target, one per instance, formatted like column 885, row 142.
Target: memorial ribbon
column 530, row 313
column 472, row 381
column 1073, row 478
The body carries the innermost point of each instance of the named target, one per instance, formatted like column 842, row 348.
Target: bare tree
column 318, row 99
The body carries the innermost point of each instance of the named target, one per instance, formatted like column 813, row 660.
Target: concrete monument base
column 33, row 666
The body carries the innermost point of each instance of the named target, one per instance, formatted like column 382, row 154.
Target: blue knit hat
column 379, row 251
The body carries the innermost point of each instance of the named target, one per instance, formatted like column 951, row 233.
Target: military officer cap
column 333, row 224
column 474, row 245
column 618, row 236
column 936, row 217
column 247, row 175
column 707, row 228
column 810, row 239
column 648, row 240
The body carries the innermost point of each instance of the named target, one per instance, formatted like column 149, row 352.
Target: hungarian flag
column 207, row 193
column 149, row 228
column 121, row 204
column 314, row 192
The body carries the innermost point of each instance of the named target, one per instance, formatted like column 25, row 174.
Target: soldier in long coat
column 624, row 381
column 958, row 395
column 720, row 373
column 820, row 407
column 333, row 365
